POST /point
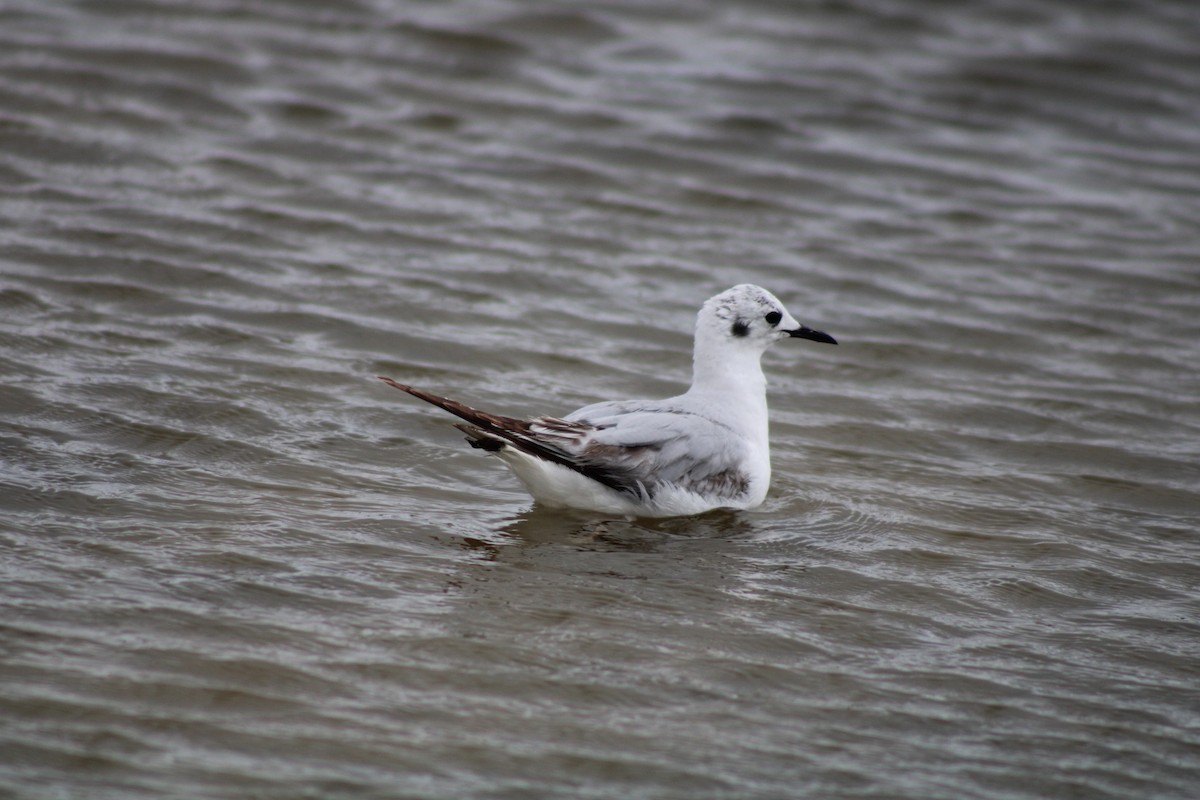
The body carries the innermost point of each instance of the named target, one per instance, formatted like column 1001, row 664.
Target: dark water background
column 234, row 565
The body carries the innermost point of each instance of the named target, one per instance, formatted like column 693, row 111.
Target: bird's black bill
column 805, row 332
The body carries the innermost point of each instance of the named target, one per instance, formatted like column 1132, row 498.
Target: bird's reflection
column 540, row 526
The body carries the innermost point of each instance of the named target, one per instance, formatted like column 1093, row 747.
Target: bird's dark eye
column 773, row 317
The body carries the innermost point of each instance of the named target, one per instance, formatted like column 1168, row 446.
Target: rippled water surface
column 232, row 564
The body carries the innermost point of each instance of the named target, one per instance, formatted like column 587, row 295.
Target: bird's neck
column 731, row 383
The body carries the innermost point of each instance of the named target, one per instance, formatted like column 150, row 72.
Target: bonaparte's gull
column 704, row 449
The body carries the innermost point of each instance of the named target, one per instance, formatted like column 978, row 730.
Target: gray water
column 233, row 564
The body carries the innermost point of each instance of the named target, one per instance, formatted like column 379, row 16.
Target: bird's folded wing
column 652, row 448
column 632, row 448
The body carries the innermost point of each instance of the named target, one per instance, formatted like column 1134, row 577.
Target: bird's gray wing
column 633, row 448
column 652, row 446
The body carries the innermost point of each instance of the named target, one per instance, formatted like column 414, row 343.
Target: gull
column 705, row 449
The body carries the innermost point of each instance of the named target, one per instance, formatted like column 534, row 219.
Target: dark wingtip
column 397, row 384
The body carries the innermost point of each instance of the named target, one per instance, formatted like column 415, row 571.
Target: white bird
column 704, row 449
